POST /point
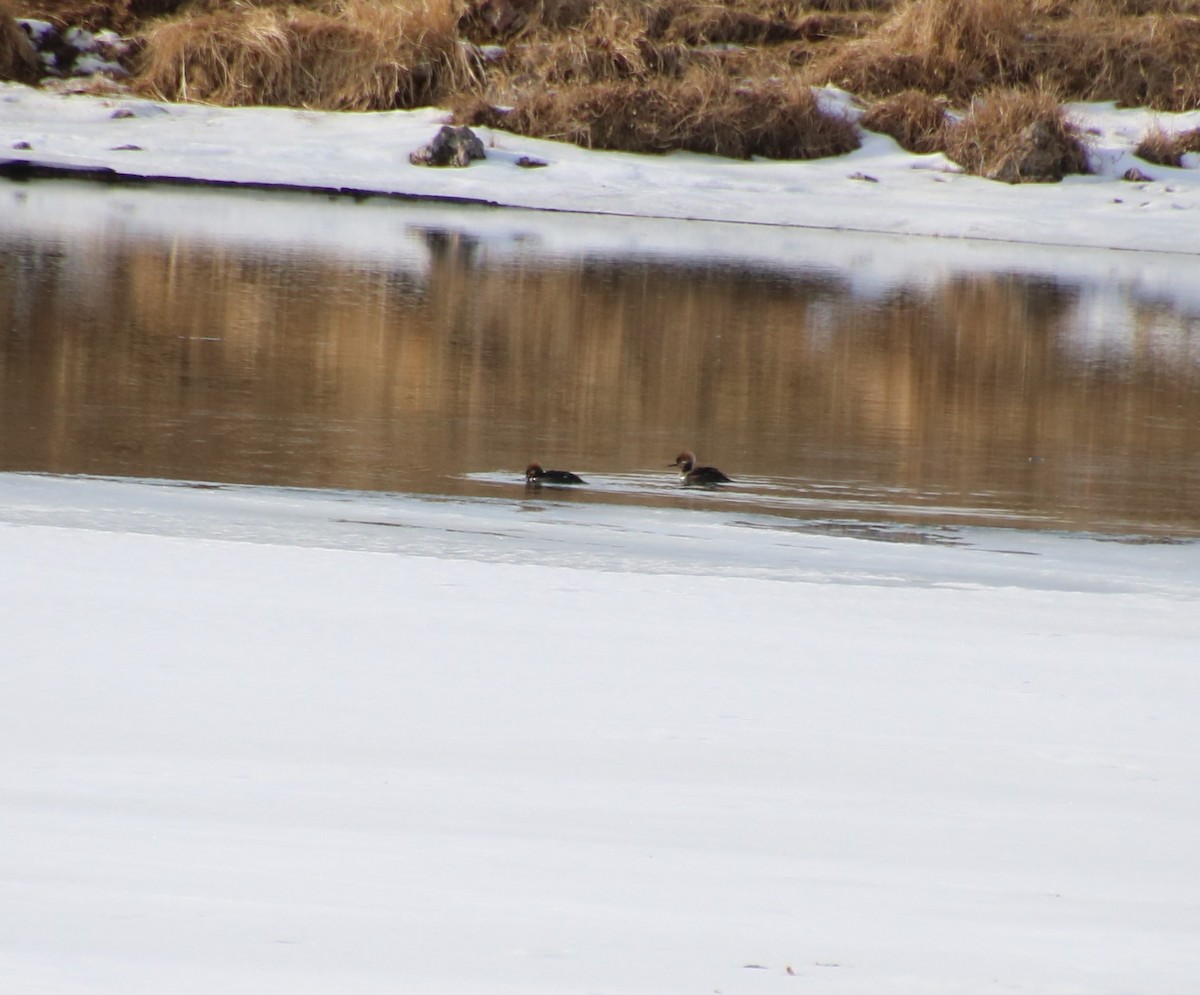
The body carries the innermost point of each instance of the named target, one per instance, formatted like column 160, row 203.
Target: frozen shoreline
column 368, row 153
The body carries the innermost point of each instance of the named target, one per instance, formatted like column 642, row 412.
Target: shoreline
column 878, row 189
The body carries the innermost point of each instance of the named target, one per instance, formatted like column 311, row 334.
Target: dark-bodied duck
column 690, row 474
column 535, row 476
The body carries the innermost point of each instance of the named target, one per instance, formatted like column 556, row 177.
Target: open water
column 396, row 348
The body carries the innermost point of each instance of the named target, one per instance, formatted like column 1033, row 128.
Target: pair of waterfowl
column 689, row 473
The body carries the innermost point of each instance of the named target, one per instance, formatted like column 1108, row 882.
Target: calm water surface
column 1004, row 397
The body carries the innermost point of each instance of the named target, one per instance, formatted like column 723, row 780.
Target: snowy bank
column 879, row 188
column 260, row 739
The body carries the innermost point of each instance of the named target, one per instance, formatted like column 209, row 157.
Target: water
column 216, row 337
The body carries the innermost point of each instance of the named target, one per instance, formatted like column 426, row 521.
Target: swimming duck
column 535, row 476
column 690, row 474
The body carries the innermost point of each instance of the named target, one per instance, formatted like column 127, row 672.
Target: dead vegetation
column 352, row 55
column 18, row 60
column 1136, row 52
column 915, row 119
column 1167, row 148
column 723, row 76
column 702, row 111
column 1016, row 136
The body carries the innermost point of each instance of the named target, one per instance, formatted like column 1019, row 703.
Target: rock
column 450, row 147
column 75, row 51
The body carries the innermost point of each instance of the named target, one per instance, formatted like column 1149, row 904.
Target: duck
column 535, row 476
column 690, row 474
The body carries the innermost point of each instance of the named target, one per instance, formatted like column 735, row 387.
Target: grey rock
column 450, row 147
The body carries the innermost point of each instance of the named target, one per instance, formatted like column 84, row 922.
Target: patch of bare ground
column 1016, row 136
column 1167, row 148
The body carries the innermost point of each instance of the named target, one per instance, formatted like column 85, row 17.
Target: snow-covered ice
column 258, row 739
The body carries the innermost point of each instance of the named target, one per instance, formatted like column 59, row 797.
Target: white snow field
column 258, row 739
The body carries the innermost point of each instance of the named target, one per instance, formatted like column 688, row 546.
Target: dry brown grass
column 18, row 61
column 693, row 22
column 1137, row 52
column 1167, row 148
column 657, row 74
column 1017, row 136
column 1140, row 61
column 552, row 43
column 916, row 120
column 584, row 56
column 120, row 15
column 351, row 55
column 704, row 111
column 505, row 20
column 950, row 47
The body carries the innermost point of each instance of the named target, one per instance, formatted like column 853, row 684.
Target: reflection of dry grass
column 954, row 386
column 350, row 55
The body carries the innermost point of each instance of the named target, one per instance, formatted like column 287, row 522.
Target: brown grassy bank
column 721, row 76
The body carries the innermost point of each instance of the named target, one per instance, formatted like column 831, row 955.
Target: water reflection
column 990, row 397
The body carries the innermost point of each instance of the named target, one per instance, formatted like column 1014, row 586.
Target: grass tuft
column 1017, row 136
column 914, row 119
column 351, row 55
column 1167, row 148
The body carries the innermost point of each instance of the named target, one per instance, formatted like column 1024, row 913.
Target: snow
column 914, row 195
column 269, row 739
